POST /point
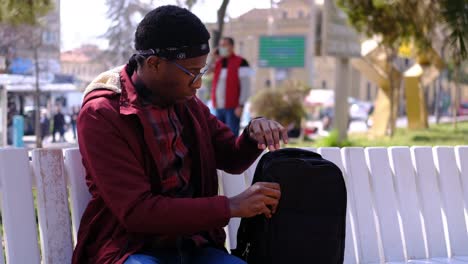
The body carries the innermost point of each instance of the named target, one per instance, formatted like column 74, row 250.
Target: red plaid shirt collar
column 173, row 158
column 174, row 161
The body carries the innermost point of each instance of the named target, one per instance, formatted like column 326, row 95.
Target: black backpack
column 309, row 225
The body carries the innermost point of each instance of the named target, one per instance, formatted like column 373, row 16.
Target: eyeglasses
column 196, row 77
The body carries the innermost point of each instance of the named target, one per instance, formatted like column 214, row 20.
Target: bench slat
column 426, row 180
column 18, row 216
column 334, row 155
column 452, row 200
column 461, row 154
column 369, row 247
column 52, row 202
column 385, row 203
column 79, row 194
column 407, row 194
column 233, row 184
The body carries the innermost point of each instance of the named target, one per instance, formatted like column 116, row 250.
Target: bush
column 283, row 104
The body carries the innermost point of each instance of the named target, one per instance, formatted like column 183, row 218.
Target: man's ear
column 153, row 63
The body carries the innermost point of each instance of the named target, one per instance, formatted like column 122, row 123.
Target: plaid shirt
column 175, row 163
column 174, row 166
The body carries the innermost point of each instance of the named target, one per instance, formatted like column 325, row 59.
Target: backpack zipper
column 245, row 254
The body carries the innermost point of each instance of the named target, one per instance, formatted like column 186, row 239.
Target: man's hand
column 267, row 133
column 260, row 198
column 238, row 111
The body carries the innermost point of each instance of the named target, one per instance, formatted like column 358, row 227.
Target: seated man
column 151, row 148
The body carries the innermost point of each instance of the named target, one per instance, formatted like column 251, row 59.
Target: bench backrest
column 403, row 203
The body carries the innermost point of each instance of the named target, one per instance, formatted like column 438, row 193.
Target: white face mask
column 223, row 51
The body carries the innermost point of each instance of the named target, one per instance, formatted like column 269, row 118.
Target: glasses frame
column 196, row 77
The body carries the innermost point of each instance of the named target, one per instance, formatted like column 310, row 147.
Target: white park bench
column 405, row 205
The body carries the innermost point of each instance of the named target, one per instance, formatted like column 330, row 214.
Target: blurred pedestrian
column 45, row 125
column 231, row 85
column 74, row 117
column 59, row 125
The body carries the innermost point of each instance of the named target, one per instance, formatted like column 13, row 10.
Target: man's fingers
column 269, row 192
column 256, row 133
column 271, row 185
column 266, row 211
column 270, row 202
column 265, row 126
column 284, row 134
column 276, row 133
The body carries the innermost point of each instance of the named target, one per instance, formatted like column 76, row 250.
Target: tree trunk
column 219, row 31
column 37, row 106
column 393, row 93
column 456, row 98
column 438, row 99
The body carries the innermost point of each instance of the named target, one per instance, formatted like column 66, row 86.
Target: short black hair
column 229, row 40
column 170, row 26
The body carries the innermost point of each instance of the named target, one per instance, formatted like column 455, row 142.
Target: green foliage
column 463, row 74
column 454, row 14
column 284, row 104
column 436, row 135
column 18, row 12
column 333, row 140
column 400, row 21
column 396, row 21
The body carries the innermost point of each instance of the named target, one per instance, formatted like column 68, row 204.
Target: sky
column 85, row 20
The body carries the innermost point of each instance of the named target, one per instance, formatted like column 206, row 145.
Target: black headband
column 180, row 53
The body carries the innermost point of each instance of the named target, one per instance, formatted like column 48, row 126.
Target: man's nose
column 197, row 84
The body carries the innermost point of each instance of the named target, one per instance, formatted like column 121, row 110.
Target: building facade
column 84, row 64
column 289, row 18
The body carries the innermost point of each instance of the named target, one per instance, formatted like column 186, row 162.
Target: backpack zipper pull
column 246, row 251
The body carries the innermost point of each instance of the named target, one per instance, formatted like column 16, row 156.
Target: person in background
column 74, row 118
column 45, row 125
column 59, row 125
column 231, row 85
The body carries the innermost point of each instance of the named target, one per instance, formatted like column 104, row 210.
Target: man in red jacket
column 151, row 149
column 231, row 85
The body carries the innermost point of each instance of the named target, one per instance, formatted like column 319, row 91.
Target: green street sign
column 281, row 51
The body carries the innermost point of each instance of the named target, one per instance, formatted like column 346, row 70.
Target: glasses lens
column 202, row 72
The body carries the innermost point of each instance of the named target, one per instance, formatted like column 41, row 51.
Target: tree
column 24, row 12
column 24, row 18
column 220, row 22
column 221, row 14
column 392, row 26
column 454, row 19
column 402, row 21
column 124, row 16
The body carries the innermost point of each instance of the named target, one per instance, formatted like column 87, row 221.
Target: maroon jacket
column 116, row 142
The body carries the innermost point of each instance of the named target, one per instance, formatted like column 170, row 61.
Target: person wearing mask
column 231, row 85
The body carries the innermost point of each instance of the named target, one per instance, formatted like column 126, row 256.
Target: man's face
column 172, row 81
column 226, row 45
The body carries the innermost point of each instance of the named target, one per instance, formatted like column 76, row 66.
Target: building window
column 301, row 14
column 324, row 84
column 285, row 14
